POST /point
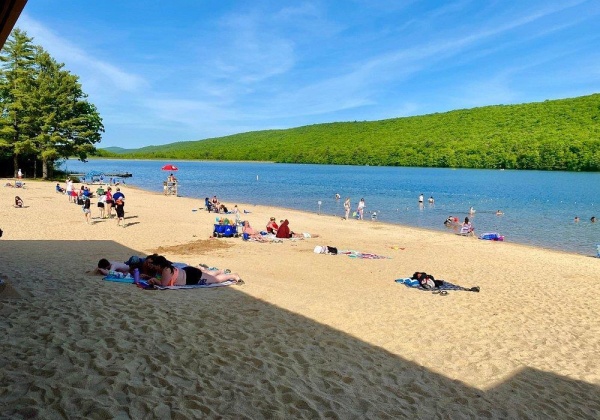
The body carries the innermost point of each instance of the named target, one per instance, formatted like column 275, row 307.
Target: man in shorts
column 119, row 199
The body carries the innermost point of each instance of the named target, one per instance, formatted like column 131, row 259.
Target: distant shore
column 320, row 335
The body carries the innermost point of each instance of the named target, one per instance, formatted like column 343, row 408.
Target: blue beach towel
column 118, row 278
column 413, row 283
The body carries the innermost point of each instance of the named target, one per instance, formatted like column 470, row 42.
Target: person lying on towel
column 174, row 276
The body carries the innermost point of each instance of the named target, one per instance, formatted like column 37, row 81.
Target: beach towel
column 363, row 255
column 119, row 278
column 414, row 284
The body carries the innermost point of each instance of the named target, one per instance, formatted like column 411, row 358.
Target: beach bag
column 332, row 250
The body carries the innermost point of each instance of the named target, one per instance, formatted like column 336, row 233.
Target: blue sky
column 161, row 72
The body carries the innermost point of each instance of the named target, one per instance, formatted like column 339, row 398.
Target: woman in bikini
column 173, row 276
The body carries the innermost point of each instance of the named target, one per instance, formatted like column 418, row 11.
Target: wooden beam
column 9, row 13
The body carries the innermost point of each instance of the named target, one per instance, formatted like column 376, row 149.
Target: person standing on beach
column 109, row 202
column 69, row 189
column 361, row 208
column 347, row 208
column 101, row 203
column 20, row 174
column 119, row 199
column 236, row 211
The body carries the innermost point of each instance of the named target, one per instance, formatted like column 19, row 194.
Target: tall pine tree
column 44, row 111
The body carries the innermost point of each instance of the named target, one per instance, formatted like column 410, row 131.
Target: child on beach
column 347, row 208
column 105, row 267
column 87, row 212
column 236, row 211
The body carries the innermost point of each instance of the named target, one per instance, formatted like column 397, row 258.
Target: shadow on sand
column 224, row 353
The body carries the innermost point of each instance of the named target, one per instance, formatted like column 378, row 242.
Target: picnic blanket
column 363, row 255
column 413, row 283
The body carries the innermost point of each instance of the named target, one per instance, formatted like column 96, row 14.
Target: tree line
column 44, row 113
column 551, row 135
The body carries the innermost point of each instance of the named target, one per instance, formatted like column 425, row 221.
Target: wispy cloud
column 94, row 72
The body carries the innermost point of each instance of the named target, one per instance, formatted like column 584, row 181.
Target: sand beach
column 307, row 336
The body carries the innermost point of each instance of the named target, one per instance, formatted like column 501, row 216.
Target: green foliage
column 552, row 135
column 44, row 114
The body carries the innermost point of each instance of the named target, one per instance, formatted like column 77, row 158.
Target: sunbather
column 285, row 232
column 251, row 233
column 18, row 201
column 173, row 276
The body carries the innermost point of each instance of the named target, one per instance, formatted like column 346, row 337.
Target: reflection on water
column 539, row 207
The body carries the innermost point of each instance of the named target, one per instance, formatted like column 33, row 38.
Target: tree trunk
column 44, row 169
column 35, row 167
column 15, row 164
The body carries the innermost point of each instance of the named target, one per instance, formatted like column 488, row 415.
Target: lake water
column 539, row 207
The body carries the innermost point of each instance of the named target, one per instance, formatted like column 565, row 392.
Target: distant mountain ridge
column 118, row 150
column 561, row 134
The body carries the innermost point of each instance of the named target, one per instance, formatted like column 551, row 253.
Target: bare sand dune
column 307, row 336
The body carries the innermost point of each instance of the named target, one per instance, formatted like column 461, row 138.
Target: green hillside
column 552, row 135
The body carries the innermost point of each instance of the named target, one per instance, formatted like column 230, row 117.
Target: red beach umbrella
column 169, row 167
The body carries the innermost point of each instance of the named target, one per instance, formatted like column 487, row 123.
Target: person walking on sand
column 347, row 208
column 361, row 208
column 87, row 211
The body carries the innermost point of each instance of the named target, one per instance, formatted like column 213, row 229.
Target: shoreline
column 377, row 222
column 522, row 224
column 322, row 335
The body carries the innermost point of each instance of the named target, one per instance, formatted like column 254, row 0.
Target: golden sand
column 307, row 336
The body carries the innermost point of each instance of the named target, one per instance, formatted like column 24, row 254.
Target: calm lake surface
column 539, row 207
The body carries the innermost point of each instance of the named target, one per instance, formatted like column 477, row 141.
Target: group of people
column 106, row 201
column 430, row 200
column 466, row 228
column 279, row 231
column 360, row 209
column 214, row 205
column 158, row 270
column 592, row 219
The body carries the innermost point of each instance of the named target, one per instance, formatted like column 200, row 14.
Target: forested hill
column 552, row 135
